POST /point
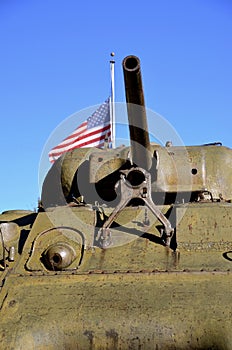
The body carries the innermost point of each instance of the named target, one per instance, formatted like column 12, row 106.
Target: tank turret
column 131, row 248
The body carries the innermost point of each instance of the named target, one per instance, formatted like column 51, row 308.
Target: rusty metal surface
column 178, row 169
column 137, row 295
column 108, row 161
column 135, row 183
column 58, row 182
column 194, row 168
column 117, row 311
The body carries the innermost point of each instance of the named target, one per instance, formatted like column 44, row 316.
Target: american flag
column 91, row 133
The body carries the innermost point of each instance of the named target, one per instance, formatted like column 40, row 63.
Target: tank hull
column 144, row 310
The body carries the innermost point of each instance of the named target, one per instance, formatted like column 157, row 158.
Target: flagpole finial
column 112, row 54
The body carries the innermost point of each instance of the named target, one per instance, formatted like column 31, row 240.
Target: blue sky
column 55, row 61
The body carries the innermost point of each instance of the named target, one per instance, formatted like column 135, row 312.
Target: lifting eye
column 58, row 256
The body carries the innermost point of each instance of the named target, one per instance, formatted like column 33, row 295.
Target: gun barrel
column 140, row 143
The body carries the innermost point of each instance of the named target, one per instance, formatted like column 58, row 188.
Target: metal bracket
column 134, row 183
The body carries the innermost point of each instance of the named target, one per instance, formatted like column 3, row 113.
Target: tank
column 131, row 248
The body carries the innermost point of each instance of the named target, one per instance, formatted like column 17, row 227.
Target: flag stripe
column 76, row 132
column 67, row 143
column 74, row 135
column 93, row 143
column 91, row 133
column 82, row 142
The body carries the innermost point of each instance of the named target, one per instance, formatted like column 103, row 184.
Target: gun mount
column 132, row 247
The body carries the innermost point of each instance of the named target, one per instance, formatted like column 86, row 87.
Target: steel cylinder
column 139, row 136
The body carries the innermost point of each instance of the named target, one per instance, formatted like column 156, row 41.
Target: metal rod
column 140, row 142
column 112, row 101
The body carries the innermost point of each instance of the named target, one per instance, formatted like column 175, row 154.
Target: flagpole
column 112, row 100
